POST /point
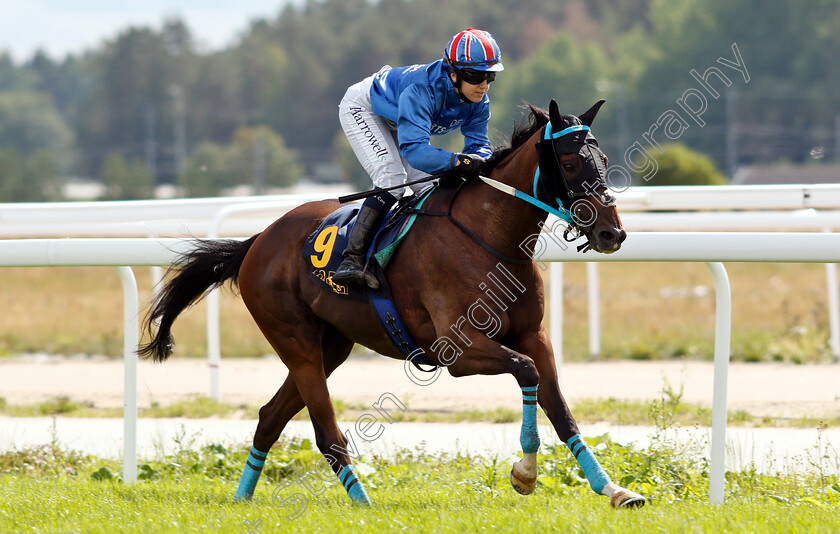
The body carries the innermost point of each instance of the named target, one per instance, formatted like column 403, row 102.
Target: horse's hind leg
column 285, row 404
column 312, row 384
column 311, row 351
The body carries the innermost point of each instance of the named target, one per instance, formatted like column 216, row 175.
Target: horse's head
column 573, row 176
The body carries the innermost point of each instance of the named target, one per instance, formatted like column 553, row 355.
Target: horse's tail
column 210, row 264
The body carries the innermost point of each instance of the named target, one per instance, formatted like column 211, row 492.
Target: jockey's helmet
column 473, row 49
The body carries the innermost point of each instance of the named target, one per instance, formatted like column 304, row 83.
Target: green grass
column 198, row 407
column 607, row 410
column 50, row 490
column 434, row 506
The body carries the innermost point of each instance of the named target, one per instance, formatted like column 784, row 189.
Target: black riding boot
column 352, row 269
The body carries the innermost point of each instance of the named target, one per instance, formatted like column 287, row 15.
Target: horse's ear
column 589, row 115
column 554, row 115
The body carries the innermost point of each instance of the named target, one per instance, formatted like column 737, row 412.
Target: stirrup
column 370, row 279
column 357, row 278
column 352, row 271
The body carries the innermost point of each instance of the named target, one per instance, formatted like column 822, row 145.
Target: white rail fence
column 796, row 220
column 730, row 197
column 119, row 253
column 710, row 248
column 236, row 216
column 682, row 198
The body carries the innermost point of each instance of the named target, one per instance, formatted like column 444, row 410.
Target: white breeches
column 374, row 140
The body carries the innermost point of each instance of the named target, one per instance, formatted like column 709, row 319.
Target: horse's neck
column 509, row 223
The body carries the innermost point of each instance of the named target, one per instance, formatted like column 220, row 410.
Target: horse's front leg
column 488, row 357
column 552, row 401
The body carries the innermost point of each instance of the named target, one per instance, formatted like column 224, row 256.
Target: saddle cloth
column 323, row 249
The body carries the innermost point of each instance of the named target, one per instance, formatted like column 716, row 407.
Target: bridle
column 549, row 198
column 546, row 195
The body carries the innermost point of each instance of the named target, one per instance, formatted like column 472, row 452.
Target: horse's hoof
column 624, row 498
column 523, row 484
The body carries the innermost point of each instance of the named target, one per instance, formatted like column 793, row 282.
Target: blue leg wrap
column 251, row 474
column 357, row 493
column 529, row 438
column 596, row 475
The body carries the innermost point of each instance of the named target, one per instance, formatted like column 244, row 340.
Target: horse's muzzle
column 607, row 240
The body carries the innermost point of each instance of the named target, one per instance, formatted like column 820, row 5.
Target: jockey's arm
column 475, row 134
column 414, row 133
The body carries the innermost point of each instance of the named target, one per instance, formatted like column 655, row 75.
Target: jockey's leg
column 374, row 143
column 352, row 269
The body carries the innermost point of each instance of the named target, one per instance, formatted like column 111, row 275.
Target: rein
column 564, row 215
column 484, row 244
column 573, row 231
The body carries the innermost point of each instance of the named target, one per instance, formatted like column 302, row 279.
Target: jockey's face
column 473, row 93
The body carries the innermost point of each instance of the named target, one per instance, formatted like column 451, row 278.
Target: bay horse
column 553, row 164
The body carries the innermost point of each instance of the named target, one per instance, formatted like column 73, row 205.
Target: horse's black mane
column 521, row 133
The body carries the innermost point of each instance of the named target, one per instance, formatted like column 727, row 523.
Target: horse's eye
column 568, row 167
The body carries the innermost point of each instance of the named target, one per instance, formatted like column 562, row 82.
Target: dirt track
column 761, row 389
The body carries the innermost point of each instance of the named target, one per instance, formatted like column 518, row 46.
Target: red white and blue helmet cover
column 474, row 49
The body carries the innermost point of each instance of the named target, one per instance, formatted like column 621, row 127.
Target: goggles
column 475, row 77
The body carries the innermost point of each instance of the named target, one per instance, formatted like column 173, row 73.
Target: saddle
column 323, row 249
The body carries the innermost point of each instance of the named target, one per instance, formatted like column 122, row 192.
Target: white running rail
column 710, row 248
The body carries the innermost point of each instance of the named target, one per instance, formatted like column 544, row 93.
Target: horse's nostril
column 609, row 236
column 612, row 237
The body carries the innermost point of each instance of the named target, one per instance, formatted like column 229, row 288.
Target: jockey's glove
column 469, row 165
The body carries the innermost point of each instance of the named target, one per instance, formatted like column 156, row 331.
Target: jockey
column 389, row 117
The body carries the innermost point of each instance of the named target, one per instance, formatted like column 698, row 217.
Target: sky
column 72, row 26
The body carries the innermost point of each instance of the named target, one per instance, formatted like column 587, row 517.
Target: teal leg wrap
column 251, row 474
column 595, row 474
column 529, row 438
column 357, row 493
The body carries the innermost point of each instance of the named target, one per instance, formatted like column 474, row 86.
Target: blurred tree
column 209, row 171
column 261, row 155
column 267, row 83
column 621, row 15
column 66, row 82
column 28, row 179
column 680, row 165
column 30, row 123
column 288, row 72
column 563, row 68
column 256, row 156
column 125, row 179
column 8, row 72
column 141, row 70
column 791, row 94
column 11, row 77
column 216, row 105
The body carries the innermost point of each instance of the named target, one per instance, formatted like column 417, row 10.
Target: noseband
column 546, row 193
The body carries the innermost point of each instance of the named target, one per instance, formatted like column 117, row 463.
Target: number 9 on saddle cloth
column 322, row 253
